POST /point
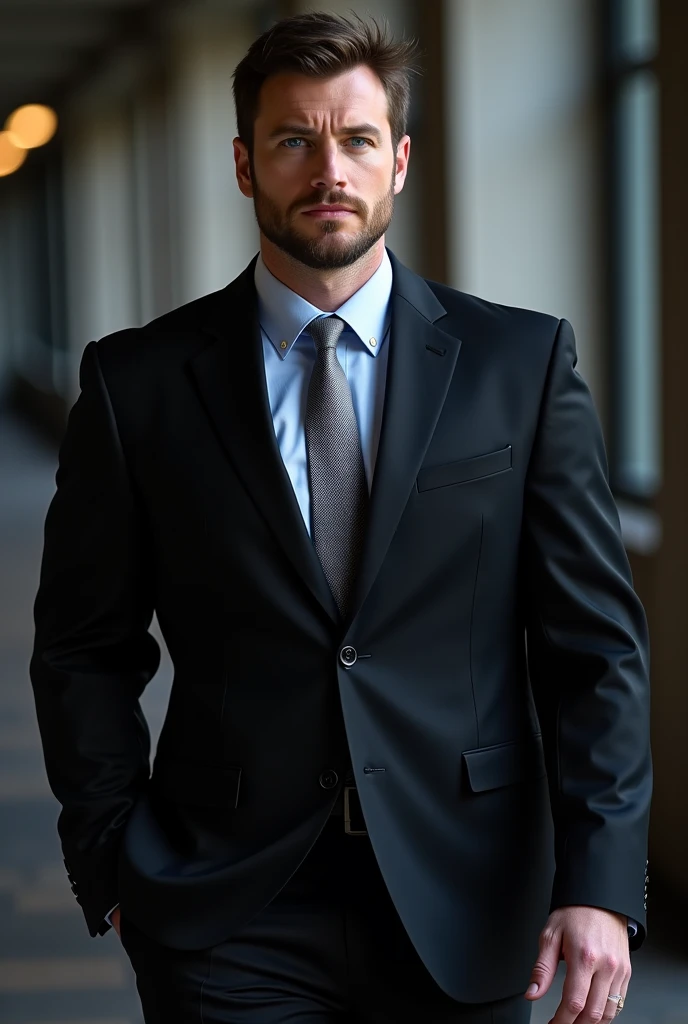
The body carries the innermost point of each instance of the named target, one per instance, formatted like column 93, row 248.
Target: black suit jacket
column 500, row 676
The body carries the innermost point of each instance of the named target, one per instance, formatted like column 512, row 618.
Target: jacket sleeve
column 93, row 654
column 588, row 654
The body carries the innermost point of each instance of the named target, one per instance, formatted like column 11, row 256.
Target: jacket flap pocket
column 204, row 785
column 504, row 764
column 464, row 470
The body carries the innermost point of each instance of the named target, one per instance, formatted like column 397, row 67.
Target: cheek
column 365, row 179
column 273, row 169
column 376, row 175
column 280, row 182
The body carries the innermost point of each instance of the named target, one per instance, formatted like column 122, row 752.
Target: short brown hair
column 322, row 45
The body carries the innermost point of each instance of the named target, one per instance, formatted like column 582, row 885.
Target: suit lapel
column 422, row 358
column 230, row 374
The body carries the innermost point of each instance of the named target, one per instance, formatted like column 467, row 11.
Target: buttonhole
column 437, row 351
column 369, row 771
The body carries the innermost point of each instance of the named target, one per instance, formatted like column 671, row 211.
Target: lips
column 329, row 209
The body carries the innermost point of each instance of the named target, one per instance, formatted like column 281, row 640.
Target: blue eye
column 287, row 142
column 358, row 138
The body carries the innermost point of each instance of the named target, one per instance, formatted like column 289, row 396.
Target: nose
column 328, row 172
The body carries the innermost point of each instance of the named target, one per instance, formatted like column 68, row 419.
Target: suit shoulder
column 470, row 313
column 169, row 338
column 180, row 322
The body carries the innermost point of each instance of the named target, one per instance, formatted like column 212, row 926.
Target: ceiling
column 47, row 47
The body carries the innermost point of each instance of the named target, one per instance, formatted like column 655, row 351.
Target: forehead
column 357, row 94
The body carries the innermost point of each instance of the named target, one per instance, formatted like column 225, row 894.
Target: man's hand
column 114, row 918
column 594, row 944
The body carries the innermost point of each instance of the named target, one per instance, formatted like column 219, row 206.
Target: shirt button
column 348, row 656
column 328, row 779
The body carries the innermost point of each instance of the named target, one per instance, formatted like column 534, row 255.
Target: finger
column 598, row 1006
column 575, row 993
column 545, row 966
column 619, row 987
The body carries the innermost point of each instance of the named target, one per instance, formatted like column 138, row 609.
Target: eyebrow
column 306, row 132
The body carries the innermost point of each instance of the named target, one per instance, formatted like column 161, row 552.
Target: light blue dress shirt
column 289, row 353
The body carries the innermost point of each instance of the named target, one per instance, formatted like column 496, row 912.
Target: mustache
column 330, row 198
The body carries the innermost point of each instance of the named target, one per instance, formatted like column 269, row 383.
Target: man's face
column 323, row 173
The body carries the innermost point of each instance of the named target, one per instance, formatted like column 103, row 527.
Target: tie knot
column 325, row 331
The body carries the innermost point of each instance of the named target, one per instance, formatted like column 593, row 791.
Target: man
column 408, row 730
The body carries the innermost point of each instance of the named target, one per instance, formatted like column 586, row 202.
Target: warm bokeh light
column 32, row 125
column 11, row 155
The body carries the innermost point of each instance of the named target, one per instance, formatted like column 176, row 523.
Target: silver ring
column 619, row 1000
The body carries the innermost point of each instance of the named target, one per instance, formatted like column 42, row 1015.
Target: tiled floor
column 51, row 972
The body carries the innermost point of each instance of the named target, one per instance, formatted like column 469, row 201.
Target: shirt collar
column 284, row 315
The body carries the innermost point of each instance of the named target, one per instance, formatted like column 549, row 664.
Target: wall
column 102, row 267
column 524, row 161
column 666, row 575
column 214, row 232
column 154, row 217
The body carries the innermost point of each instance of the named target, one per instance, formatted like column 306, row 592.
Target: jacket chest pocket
column 465, row 470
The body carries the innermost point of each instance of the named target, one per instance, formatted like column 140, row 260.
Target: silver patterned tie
column 336, row 474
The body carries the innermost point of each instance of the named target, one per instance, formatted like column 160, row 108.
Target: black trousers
column 329, row 949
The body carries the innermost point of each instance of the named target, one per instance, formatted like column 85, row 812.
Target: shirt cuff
column 632, row 928
column 108, row 916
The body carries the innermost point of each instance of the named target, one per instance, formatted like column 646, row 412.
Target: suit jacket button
column 348, row 656
column 328, row 779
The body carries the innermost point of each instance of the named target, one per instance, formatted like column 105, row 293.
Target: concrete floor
column 51, row 972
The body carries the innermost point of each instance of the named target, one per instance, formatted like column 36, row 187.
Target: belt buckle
column 347, row 813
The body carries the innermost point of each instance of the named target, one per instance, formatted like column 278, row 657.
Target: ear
column 401, row 163
column 243, row 168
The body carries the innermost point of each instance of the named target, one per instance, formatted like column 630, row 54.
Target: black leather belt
column 348, row 807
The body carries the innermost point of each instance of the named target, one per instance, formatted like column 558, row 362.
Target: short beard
column 315, row 252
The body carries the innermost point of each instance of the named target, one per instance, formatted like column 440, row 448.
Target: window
column 635, row 386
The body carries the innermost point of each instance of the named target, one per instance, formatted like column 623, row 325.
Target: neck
column 326, row 289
